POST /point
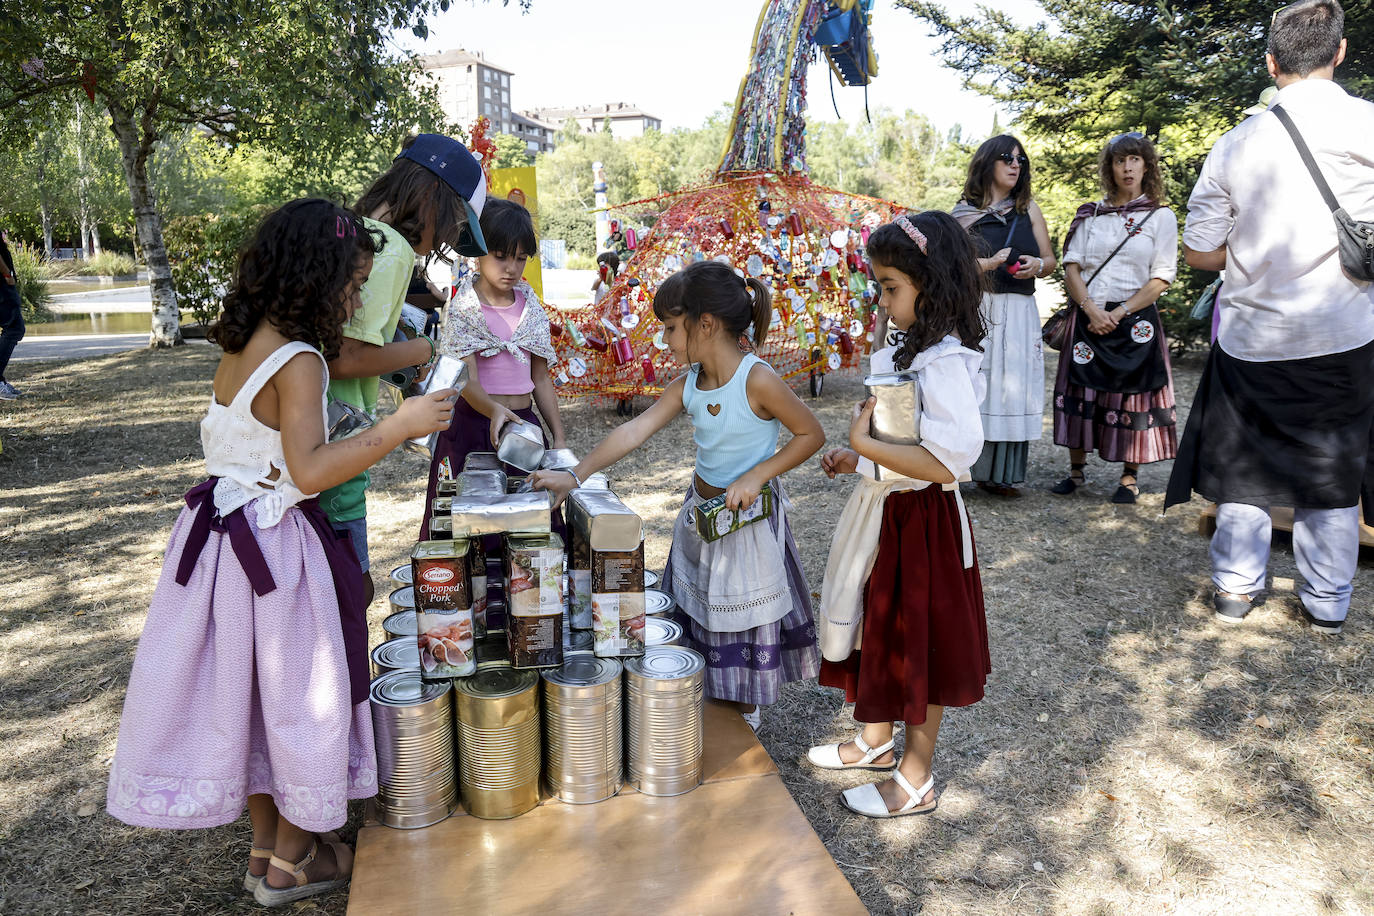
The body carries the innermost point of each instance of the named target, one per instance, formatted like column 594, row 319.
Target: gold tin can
column 497, row 713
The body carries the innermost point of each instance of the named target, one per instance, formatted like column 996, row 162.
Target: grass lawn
column 1132, row 755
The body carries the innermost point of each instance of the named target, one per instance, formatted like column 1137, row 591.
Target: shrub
column 578, row 261
column 108, row 264
column 31, row 275
column 203, row 249
column 59, row 270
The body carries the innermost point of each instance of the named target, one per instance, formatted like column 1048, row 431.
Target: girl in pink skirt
column 250, row 682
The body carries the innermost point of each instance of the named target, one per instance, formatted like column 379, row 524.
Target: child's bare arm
column 546, row 399
column 770, row 396
column 908, row 460
column 624, row 439
column 317, row 465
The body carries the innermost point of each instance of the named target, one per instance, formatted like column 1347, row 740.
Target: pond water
column 62, row 287
column 97, row 323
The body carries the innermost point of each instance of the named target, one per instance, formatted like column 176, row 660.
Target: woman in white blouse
column 1113, row 391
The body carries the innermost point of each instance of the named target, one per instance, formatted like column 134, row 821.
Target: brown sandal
column 250, row 880
column 267, row 895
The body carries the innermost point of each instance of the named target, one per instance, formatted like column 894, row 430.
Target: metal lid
column 494, row 683
column 402, row 623
column 481, row 461
column 403, row 597
column 405, row 575
column 650, row 578
column 444, row 548
column 550, row 540
column 666, row 663
column 404, row 688
column 657, row 601
column 584, row 671
column 401, row 653
column 580, row 641
column 659, row 631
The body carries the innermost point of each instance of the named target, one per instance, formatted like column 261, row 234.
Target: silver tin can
column 658, row 602
column 497, row 711
column 660, row 631
column 665, row 731
column 650, row 579
column 402, row 623
column 583, row 750
column 448, row 372
column 896, row 413
column 402, row 599
column 403, row 575
column 558, row 458
column 343, row 420
column 399, row 654
column 481, row 461
column 580, row 642
column 521, row 445
column 412, row 725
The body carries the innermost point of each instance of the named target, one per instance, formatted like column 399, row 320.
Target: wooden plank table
column 735, row 844
column 1282, row 520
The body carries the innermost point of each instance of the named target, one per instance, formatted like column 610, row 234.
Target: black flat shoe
column 1124, row 495
column 1231, row 608
column 1068, row 485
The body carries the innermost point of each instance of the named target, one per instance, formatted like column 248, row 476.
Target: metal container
column 521, row 444
column 481, row 461
column 583, row 746
column 403, row 575
column 402, row 599
column 344, row 419
column 492, row 650
column 445, row 486
column 896, row 413
column 660, row 631
column 485, row 482
column 497, row 712
column 580, row 642
column 412, row 725
column 480, row 515
column 402, row 623
column 650, row 579
column 448, row 372
column 558, row 459
column 399, row 654
column 714, row 521
column 441, row 505
column 443, row 608
column 657, row 601
column 664, row 735
column 534, row 600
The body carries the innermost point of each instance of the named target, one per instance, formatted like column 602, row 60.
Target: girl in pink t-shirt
column 497, row 325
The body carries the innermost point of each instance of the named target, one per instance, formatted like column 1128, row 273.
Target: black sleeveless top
column 990, row 236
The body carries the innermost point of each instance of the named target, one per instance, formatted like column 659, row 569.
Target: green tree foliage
column 303, row 75
column 1181, row 72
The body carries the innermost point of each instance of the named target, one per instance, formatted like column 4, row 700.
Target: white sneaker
column 755, row 718
column 8, row 392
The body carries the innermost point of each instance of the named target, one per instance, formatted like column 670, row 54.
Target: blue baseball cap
column 460, row 170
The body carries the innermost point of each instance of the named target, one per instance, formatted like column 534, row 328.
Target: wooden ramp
column 1282, row 522
column 736, row 844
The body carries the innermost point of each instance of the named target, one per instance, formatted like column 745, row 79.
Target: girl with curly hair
column 902, row 570
column 250, row 682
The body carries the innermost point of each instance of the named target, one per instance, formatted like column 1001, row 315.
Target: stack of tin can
column 582, row 729
column 664, row 700
column 411, row 721
column 497, row 712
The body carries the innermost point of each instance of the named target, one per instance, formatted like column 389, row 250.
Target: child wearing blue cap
column 428, row 201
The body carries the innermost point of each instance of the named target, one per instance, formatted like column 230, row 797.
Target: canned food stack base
column 411, row 721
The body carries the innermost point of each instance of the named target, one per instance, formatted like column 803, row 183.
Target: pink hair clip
column 343, row 227
column 910, row 229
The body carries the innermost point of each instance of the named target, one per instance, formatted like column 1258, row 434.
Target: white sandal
column 267, row 895
column 868, row 801
column 827, row 756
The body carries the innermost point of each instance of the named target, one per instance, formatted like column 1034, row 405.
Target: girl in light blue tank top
column 743, row 599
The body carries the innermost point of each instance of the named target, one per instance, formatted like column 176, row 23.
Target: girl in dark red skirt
column 902, row 572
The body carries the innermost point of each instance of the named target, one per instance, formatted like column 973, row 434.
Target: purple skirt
column 750, row 666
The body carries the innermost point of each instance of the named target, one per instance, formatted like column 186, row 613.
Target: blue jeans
column 11, row 323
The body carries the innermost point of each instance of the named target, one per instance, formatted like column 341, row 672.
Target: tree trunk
column 95, row 237
column 44, row 211
column 83, row 183
column 135, row 145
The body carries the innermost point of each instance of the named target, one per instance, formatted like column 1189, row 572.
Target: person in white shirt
column 1285, row 409
column 1113, row 390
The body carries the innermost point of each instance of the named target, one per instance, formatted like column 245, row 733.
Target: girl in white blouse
column 1113, row 391
column 902, row 571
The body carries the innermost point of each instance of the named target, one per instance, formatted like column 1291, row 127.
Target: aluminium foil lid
column 405, row 688
column 584, row 671
column 666, row 663
column 657, row 601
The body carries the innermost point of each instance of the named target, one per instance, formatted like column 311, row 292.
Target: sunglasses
column 1008, row 158
column 1133, row 135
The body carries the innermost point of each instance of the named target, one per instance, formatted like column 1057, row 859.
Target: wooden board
column 1282, row 520
column 730, row 847
column 735, row 844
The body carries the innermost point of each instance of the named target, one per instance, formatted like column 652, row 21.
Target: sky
column 679, row 66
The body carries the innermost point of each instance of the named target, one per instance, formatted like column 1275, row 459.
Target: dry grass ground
column 1132, row 755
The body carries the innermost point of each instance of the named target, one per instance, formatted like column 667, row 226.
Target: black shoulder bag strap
column 1355, row 238
column 1129, row 236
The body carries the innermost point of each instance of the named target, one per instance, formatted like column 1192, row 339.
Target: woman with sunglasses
column 1014, row 247
column 1114, row 390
